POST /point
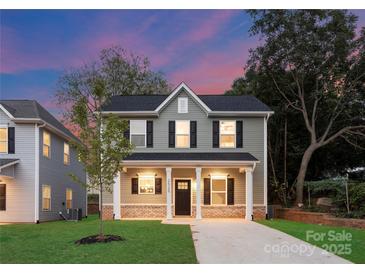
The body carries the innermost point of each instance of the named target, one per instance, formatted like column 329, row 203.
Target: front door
column 182, row 197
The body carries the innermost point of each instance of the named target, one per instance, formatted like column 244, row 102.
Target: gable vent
column 182, row 105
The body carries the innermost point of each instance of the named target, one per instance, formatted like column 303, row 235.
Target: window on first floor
column 3, row 140
column 146, row 184
column 2, row 196
column 68, row 198
column 46, row 197
column 227, row 131
column 138, row 133
column 182, row 134
column 218, row 190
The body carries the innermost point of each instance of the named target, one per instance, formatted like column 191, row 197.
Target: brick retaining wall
column 317, row 218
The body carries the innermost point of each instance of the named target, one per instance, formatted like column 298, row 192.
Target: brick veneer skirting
column 316, row 218
column 159, row 211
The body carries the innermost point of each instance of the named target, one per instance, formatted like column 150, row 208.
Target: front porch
column 204, row 189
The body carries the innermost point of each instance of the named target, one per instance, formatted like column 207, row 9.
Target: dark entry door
column 182, row 197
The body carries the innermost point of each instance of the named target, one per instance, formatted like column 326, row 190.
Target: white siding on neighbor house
column 20, row 192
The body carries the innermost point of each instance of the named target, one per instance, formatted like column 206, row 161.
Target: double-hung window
column 46, row 144
column 66, row 153
column 138, row 133
column 218, row 190
column 46, row 197
column 182, row 134
column 3, row 139
column 68, row 198
column 227, row 131
column 146, row 184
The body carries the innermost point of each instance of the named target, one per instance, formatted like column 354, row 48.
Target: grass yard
column 53, row 242
column 334, row 245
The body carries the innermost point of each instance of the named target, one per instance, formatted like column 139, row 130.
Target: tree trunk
column 285, row 148
column 101, row 229
column 302, row 171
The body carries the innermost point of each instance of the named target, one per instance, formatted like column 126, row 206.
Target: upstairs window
column 227, row 131
column 68, row 198
column 46, row 144
column 46, row 198
column 182, row 134
column 138, row 133
column 3, row 140
column 66, row 153
column 182, row 105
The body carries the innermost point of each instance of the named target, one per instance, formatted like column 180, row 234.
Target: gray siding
column 20, row 191
column 53, row 172
column 253, row 137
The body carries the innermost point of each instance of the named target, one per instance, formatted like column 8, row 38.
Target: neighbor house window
column 66, row 153
column 3, row 140
column 146, row 184
column 68, row 198
column 46, row 144
column 46, row 197
column 182, row 134
column 138, row 132
column 227, row 131
column 182, row 105
column 219, row 190
column 2, row 196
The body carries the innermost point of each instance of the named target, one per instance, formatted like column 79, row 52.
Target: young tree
column 82, row 93
column 315, row 62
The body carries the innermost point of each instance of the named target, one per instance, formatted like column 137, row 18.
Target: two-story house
column 195, row 155
column 35, row 162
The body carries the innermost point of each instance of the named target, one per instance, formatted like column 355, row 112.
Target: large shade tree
column 315, row 61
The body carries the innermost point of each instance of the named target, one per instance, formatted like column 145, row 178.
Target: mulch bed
column 99, row 239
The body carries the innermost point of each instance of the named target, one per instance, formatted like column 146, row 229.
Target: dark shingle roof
column 4, row 162
column 32, row 109
column 214, row 102
column 192, row 156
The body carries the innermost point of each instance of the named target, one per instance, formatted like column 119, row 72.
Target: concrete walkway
column 237, row 241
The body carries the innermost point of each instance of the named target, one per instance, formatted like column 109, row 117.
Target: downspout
column 36, row 173
column 265, row 163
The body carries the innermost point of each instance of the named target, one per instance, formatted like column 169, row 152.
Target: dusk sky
column 205, row 48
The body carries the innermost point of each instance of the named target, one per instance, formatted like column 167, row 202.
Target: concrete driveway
column 237, row 241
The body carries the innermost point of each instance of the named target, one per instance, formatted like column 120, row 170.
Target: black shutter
column 126, row 133
column 230, row 191
column 134, row 185
column 239, row 126
column 171, row 133
column 207, row 191
column 11, row 140
column 149, row 133
column 3, row 197
column 193, row 134
column 158, row 186
column 215, row 133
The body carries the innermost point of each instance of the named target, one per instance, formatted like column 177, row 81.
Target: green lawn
column 330, row 240
column 53, row 242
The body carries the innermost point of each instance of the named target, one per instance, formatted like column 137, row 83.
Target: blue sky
column 205, row 48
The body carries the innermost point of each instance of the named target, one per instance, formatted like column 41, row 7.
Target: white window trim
column 72, row 197
column 186, row 99
column 188, row 121
column 49, row 146
column 235, row 133
column 213, row 177
column 50, row 198
column 154, row 184
column 145, row 133
column 69, row 156
column 7, row 139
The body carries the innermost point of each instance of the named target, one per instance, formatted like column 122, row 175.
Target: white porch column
column 198, row 172
column 116, row 197
column 249, row 194
column 168, row 194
